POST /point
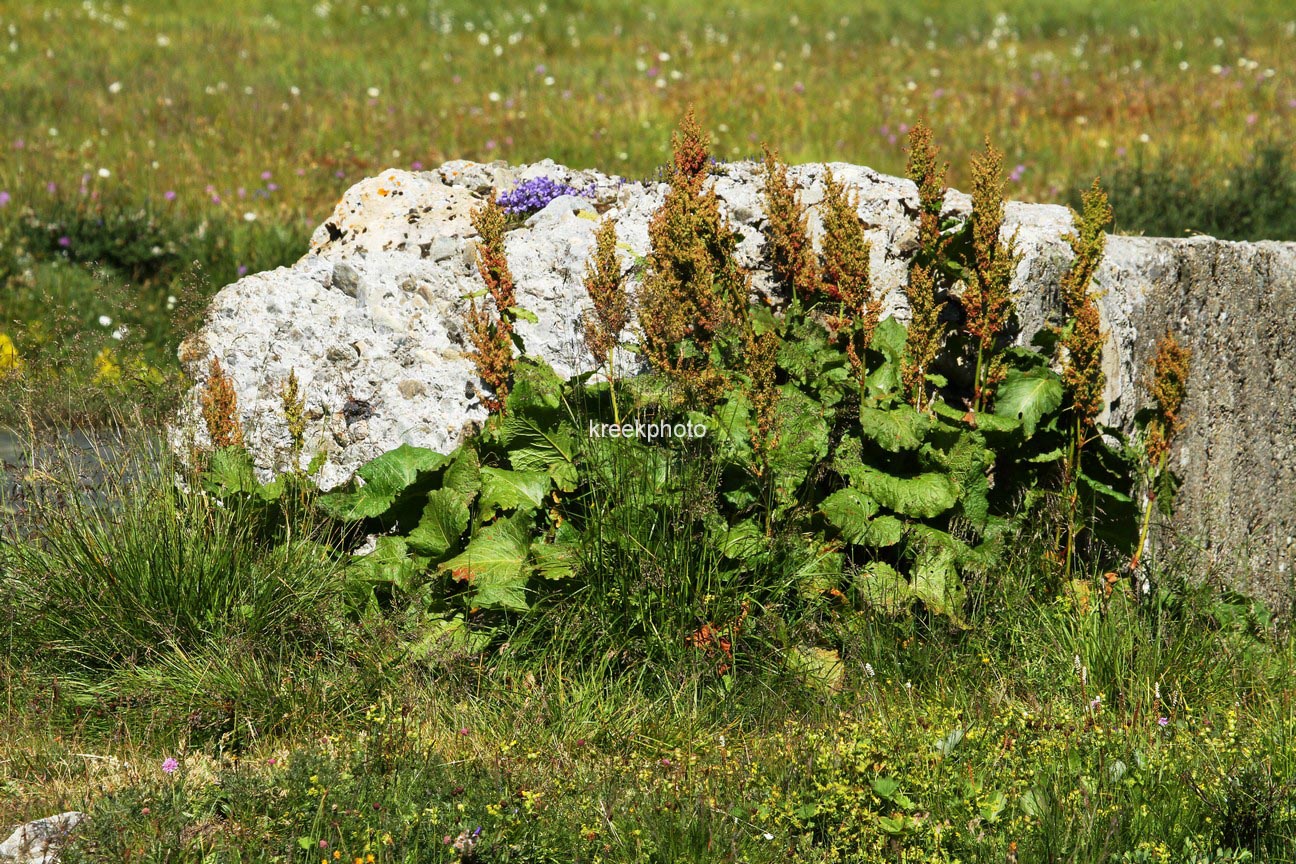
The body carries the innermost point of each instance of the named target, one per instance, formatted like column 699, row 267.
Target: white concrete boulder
column 369, row 319
column 39, row 842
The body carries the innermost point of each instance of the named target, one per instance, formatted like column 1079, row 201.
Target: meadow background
column 197, row 675
column 152, row 153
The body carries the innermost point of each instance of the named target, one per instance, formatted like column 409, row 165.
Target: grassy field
column 214, row 673
column 154, row 152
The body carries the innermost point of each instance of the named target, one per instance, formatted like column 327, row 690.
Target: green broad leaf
column 821, row 572
column 976, row 419
column 740, row 542
column 557, row 559
column 994, row 804
column 730, row 429
column 883, row 531
column 520, row 314
column 463, row 475
column 494, row 564
column 1048, row 456
column 802, row 441
column 511, row 490
column 1028, row 396
column 388, row 564
column 536, row 447
column 937, row 584
column 441, row 640
column 885, row 787
column 230, row 471
column 535, row 385
column 894, row 429
column 921, row 496
column 947, row 745
column 384, row 478
column 849, row 511
column 444, row 520
column 889, row 341
column 1103, row 489
column 881, row 587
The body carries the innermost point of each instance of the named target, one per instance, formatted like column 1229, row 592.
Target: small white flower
column 115, row 87
column 105, row 321
column 295, row 90
column 493, row 96
column 119, row 333
column 105, row 173
column 549, row 80
column 163, row 40
column 374, row 92
column 171, row 301
column 868, row 670
column 768, row 836
column 663, row 57
column 249, row 216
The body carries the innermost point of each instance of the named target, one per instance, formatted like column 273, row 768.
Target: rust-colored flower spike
column 845, row 269
column 787, row 233
column 1169, row 388
column 926, row 333
column 762, row 370
column 1082, row 342
column 924, row 169
column 693, row 288
column 220, row 408
column 691, row 149
column 611, row 312
column 987, row 299
column 491, row 332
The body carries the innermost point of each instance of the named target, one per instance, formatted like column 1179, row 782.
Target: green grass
column 203, row 116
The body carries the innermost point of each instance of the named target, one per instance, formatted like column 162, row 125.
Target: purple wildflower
column 266, row 175
column 170, row 765
column 65, row 241
column 51, row 187
column 1094, row 705
column 535, row 194
column 4, row 199
column 169, row 195
column 1016, row 174
column 1163, row 721
column 242, row 270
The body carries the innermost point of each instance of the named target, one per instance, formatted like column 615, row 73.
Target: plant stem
column 616, row 412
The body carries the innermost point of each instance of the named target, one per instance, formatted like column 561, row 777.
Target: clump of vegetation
column 790, row 252
column 1161, row 422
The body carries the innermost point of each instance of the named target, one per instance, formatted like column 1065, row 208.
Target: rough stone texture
column 370, row 320
column 38, row 842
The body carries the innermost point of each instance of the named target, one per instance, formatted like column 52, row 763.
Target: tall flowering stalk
column 611, row 310
column 491, row 330
column 1169, row 389
column 987, row 301
column 220, row 408
column 1081, row 346
column 845, row 272
column 694, row 290
column 791, row 254
column 926, row 334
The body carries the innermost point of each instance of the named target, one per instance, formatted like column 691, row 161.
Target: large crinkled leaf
column 881, row 587
column 921, row 496
column 384, row 479
column 849, row 511
column 445, row 518
column 936, row 582
column 889, row 341
column 739, row 542
column 495, row 565
column 443, row 639
column 230, row 471
column 730, row 428
column 894, row 429
column 511, row 490
column 463, row 475
column 534, row 446
column 1028, row 396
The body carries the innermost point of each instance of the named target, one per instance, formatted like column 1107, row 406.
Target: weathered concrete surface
column 39, row 842
column 370, row 318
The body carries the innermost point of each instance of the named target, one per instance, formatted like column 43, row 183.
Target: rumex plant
column 611, row 312
column 491, row 330
column 987, row 301
column 694, row 295
column 1162, row 421
column 926, row 332
column 220, row 408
